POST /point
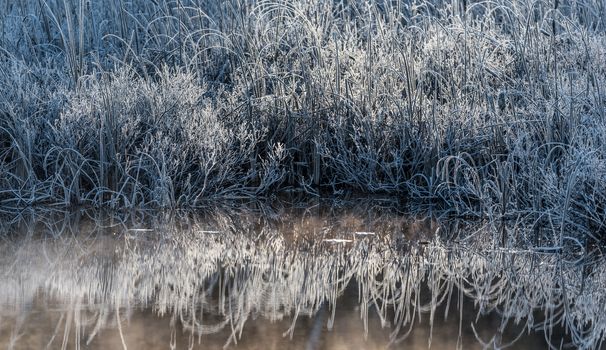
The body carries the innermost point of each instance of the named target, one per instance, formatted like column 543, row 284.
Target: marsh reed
column 478, row 109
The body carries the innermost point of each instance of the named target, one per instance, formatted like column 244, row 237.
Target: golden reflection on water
column 298, row 278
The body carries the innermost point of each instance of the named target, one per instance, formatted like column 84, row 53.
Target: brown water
column 361, row 278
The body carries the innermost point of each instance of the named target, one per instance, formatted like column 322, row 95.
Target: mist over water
column 302, row 278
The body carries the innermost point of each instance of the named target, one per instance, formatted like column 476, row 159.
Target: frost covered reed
column 478, row 108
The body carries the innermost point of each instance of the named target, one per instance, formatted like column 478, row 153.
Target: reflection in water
column 301, row 279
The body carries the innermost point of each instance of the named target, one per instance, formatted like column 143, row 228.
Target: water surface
column 301, row 278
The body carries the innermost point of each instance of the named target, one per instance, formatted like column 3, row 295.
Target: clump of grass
column 481, row 110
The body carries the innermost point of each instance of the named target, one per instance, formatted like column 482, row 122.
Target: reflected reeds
column 218, row 272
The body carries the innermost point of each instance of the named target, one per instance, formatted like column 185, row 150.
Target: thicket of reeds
column 484, row 109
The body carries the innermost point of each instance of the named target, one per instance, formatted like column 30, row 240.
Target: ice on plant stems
column 481, row 110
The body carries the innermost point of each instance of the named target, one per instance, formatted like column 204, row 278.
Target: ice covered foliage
column 481, row 109
column 165, row 141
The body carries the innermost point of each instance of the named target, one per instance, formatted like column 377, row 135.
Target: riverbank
column 480, row 110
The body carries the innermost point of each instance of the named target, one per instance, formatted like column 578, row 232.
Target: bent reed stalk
column 489, row 110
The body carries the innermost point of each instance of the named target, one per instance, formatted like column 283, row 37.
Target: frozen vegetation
column 480, row 109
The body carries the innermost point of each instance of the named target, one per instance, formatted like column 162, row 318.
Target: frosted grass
column 487, row 110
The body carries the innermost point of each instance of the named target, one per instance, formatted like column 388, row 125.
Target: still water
column 356, row 277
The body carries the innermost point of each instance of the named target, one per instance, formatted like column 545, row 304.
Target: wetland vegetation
column 486, row 120
column 482, row 109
